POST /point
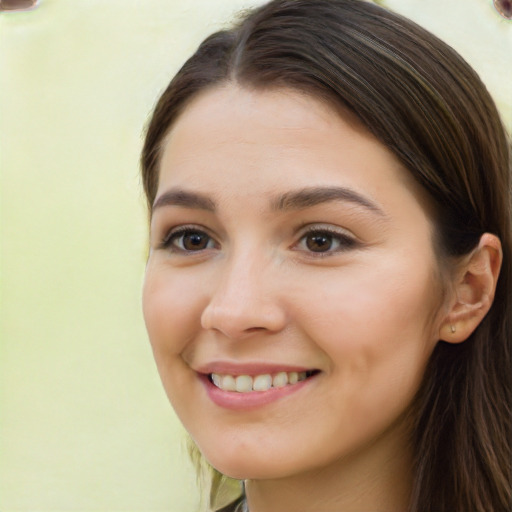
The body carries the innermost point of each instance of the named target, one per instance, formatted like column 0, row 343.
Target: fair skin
column 285, row 238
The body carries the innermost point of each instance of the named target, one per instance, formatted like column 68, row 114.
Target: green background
column 84, row 422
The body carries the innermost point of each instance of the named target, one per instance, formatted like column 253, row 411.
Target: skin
column 367, row 311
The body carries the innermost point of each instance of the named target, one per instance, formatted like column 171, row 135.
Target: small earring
column 452, row 328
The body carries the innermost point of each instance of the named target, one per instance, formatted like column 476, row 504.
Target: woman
column 327, row 292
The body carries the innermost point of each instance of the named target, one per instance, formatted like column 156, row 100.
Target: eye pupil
column 194, row 241
column 319, row 242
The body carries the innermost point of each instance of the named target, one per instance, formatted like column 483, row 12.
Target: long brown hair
column 426, row 105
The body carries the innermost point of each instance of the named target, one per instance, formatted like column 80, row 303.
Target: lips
column 236, row 368
column 261, row 382
column 239, row 387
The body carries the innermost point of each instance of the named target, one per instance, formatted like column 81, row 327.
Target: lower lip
column 253, row 399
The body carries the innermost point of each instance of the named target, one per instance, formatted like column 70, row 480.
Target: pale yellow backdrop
column 84, row 423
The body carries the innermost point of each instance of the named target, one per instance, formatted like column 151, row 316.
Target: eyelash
column 177, row 233
column 344, row 241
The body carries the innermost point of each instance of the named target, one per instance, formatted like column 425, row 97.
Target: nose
column 244, row 301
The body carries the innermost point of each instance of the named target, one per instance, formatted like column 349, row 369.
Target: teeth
column 293, row 377
column 247, row 384
column 262, row 382
column 227, row 382
column 243, row 383
column 280, row 380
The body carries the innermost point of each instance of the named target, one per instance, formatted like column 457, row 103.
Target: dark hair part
column 424, row 103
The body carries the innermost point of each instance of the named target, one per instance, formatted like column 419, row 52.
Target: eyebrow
column 309, row 197
column 180, row 197
column 293, row 200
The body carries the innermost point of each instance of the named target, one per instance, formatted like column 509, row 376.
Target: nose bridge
column 244, row 300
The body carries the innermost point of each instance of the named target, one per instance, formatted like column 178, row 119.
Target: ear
column 473, row 291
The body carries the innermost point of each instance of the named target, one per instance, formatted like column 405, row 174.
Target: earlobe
column 474, row 290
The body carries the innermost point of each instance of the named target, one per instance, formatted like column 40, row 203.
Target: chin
column 244, row 466
column 239, row 467
column 235, row 462
column 248, row 471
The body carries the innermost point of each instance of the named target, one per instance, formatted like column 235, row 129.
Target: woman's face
column 289, row 253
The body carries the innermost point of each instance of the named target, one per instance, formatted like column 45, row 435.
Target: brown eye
column 195, row 241
column 322, row 241
column 319, row 242
column 190, row 240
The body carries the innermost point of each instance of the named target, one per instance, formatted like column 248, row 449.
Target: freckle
column 504, row 7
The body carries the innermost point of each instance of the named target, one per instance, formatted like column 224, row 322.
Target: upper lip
column 249, row 368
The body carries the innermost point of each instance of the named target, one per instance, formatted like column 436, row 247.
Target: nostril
column 238, row 319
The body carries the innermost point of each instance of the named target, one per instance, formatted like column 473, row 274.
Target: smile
column 250, row 386
column 263, row 382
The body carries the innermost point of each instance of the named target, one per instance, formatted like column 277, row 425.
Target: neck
column 377, row 478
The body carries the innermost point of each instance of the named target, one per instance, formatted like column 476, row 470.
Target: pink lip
column 251, row 400
column 229, row 368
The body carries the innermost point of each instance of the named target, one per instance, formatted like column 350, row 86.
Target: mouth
column 258, row 383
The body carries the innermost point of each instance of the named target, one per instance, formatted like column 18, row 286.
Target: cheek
column 370, row 298
column 374, row 327
column 172, row 310
column 172, row 306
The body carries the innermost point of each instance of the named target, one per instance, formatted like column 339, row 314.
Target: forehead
column 250, row 112
column 235, row 140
